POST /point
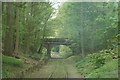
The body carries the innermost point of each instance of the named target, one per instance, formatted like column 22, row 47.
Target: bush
column 83, row 62
column 98, row 60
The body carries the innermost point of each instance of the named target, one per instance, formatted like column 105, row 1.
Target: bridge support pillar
column 49, row 51
column 73, row 50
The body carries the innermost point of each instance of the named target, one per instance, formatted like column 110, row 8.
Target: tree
column 88, row 24
column 25, row 25
column 8, row 45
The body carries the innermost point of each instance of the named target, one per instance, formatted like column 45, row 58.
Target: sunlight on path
column 55, row 56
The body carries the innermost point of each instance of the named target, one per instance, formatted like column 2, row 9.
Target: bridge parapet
column 55, row 39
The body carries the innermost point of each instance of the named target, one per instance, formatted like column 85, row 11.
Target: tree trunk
column 92, row 41
column 9, row 45
column 28, row 30
column 49, row 51
column 17, row 33
column 81, row 31
column 82, row 42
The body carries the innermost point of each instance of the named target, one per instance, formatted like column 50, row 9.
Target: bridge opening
column 61, row 51
column 49, row 43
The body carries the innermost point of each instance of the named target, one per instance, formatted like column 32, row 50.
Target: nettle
column 99, row 59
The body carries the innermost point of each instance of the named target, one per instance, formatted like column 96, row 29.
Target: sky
column 57, row 3
column 56, row 7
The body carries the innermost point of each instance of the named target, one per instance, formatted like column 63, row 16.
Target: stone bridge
column 49, row 43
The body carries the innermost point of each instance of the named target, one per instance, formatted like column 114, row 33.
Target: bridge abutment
column 49, row 52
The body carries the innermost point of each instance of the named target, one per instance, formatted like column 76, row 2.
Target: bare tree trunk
column 27, row 36
column 17, row 33
column 49, row 51
column 82, row 41
column 81, row 31
column 92, row 41
column 9, row 45
column 92, row 45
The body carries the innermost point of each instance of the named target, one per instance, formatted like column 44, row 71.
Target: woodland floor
column 56, row 68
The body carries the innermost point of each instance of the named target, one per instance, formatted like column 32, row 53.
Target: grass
column 65, row 55
column 10, row 66
column 98, row 66
column 12, row 61
column 109, row 70
column 83, row 62
column 85, row 65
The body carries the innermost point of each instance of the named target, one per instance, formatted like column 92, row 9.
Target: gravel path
column 56, row 68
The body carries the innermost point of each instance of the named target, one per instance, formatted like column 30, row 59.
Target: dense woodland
column 24, row 25
column 91, row 26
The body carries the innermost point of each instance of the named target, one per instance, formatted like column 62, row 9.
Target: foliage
column 93, row 26
column 109, row 70
column 65, row 51
column 83, row 62
column 25, row 25
column 99, row 65
column 99, row 59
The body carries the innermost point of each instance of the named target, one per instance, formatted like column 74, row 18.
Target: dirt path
column 56, row 68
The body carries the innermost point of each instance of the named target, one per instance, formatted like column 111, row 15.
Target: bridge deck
column 55, row 39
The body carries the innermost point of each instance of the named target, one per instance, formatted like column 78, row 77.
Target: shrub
column 98, row 60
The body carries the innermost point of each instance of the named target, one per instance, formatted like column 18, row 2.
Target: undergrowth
column 32, row 55
column 99, row 65
column 10, row 65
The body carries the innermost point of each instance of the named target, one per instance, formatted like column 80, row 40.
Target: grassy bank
column 12, row 66
column 103, row 64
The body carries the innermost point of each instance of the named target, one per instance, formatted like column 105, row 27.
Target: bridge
column 49, row 43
